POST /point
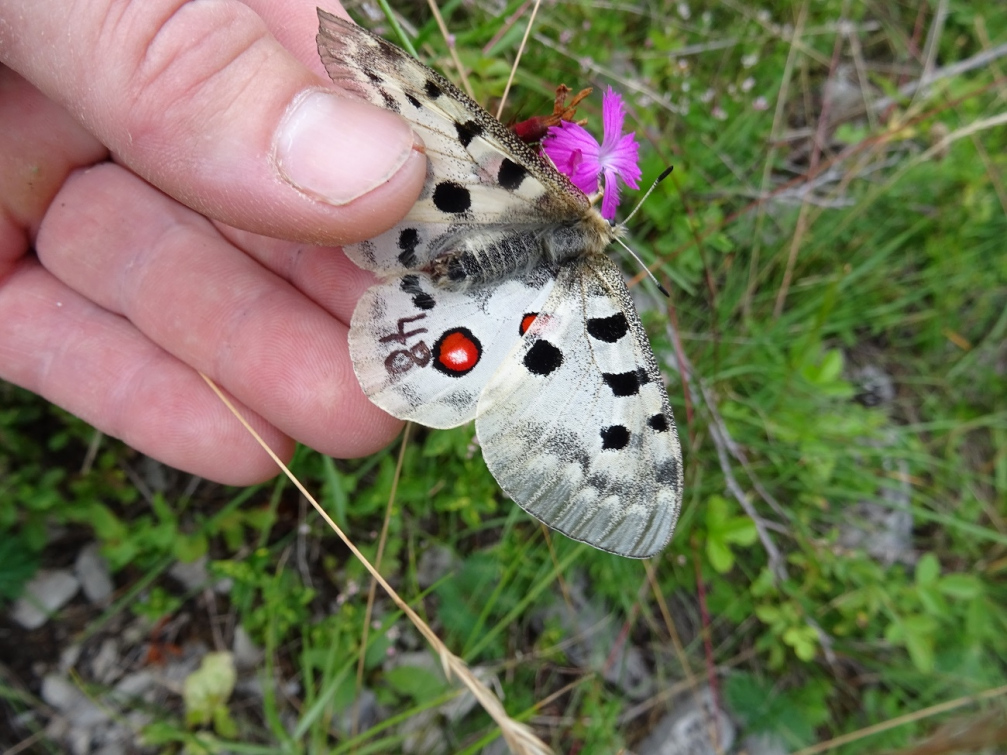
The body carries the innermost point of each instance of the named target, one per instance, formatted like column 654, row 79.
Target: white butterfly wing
column 576, row 425
column 425, row 354
column 480, row 173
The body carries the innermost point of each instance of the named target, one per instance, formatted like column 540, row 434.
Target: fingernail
column 337, row 149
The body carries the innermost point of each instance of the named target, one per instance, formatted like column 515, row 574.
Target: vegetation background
column 835, row 344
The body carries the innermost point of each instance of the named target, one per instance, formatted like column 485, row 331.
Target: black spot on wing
column 608, row 329
column 409, row 238
column 622, row 383
column 511, row 174
column 390, row 102
column 659, row 423
column 543, row 358
column 666, row 473
column 374, row 77
column 614, row 438
column 468, row 131
column 413, row 100
column 410, row 284
column 433, row 91
column 452, row 198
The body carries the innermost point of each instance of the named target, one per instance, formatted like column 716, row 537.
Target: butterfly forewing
column 481, row 174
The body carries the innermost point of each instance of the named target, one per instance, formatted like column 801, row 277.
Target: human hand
column 223, row 107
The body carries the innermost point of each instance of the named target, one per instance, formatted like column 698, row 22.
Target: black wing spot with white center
column 543, row 358
column 452, row 198
column 421, row 299
column 511, row 174
column 614, row 438
column 468, row 131
column 409, row 238
column 623, row 383
column 608, row 329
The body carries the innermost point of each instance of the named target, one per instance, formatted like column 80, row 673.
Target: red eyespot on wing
column 527, row 320
column 457, row 352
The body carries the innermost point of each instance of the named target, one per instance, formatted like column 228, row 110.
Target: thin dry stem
column 519, row 738
column 908, row 718
column 462, row 76
column 372, row 590
column 517, row 58
column 779, row 118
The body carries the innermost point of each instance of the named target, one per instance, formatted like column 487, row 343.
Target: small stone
column 95, row 579
column 57, row 692
column 134, row 685
column 687, row 729
column 764, row 744
column 75, row 706
column 68, row 658
column 247, row 655
column 435, row 562
column 103, row 665
column 45, row 593
column 192, row 575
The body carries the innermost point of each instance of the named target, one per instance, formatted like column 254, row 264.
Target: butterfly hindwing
column 425, row 354
column 480, row 174
column 576, row 425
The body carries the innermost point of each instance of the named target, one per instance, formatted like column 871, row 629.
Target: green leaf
column 961, row 586
column 415, row 682
column 928, row 568
column 208, row 688
column 721, row 558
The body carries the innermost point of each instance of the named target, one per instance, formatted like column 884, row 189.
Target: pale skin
column 171, row 186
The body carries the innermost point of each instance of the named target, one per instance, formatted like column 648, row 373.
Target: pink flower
column 577, row 154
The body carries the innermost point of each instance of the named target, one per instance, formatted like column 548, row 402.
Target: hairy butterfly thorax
column 496, row 302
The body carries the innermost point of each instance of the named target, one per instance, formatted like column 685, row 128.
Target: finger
column 39, row 145
column 203, row 102
column 99, row 367
column 137, row 253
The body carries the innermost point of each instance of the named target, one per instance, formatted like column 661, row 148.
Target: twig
column 718, row 432
column 449, row 41
column 517, row 58
column 519, row 738
column 893, row 723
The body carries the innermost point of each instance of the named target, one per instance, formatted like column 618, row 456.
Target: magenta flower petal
column 579, row 156
column 625, row 160
column 610, row 202
column 613, row 116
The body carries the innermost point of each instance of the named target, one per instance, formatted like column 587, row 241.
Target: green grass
column 789, row 264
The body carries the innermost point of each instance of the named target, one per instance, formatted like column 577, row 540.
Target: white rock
column 69, row 657
column 45, row 593
column 247, row 655
column 764, row 744
column 104, row 664
column 135, row 685
column 687, row 729
column 75, row 706
column 193, row 575
column 95, row 579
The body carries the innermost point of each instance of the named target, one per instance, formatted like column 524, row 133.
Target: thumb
column 200, row 100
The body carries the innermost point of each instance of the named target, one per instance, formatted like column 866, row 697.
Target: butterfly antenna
column 657, row 283
column 664, row 175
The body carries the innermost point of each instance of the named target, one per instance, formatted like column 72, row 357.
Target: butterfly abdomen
column 489, row 256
